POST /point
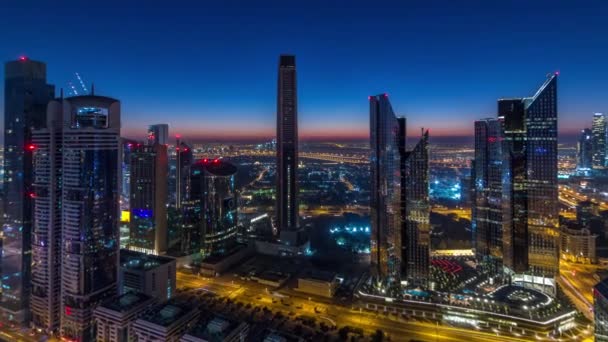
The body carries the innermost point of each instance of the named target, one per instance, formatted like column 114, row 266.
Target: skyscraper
column 90, row 197
column 287, row 154
column 385, row 197
column 417, row 226
column 158, row 134
column 530, row 216
column 148, row 199
column 586, row 157
column 26, row 94
column 183, row 162
column 216, row 186
column 599, row 140
column 487, row 202
column 46, row 223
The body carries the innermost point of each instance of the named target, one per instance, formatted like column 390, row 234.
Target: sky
column 209, row 68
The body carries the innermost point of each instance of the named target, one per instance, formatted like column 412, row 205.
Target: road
column 291, row 302
column 578, row 280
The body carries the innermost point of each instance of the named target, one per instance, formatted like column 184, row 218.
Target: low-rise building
column 166, row 322
column 318, row 283
column 578, row 245
column 146, row 273
column 214, row 328
column 115, row 316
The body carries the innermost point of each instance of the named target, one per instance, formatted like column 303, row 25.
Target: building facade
column 585, row 155
column 114, row 317
column 26, row 94
column 598, row 128
column 530, row 204
column 152, row 275
column 166, row 322
column 487, row 189
column 148, row 199
column 416, row 233
column 385, row 195
column 158, row 134
column 600, row 310
column 287, row 153
column 90, row 208
column 184, row 160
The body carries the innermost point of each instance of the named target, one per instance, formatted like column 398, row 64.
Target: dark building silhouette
column 585, row 158
column 184, row 159
column 26, row 94
column 158, row 134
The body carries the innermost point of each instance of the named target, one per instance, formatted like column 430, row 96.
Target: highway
column 291, row 302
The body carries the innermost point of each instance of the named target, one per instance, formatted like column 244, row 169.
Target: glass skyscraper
column 585, row 158
column 148, row 199
column 598, row 128
column 530, row 203
column 385, row 197
column 158, row 134
column 487, row 187
column 417, row 210
column 26, row 95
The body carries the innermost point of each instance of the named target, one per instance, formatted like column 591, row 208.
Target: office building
column 415, row 237
column 148, row 199
column 212, row 328
column 166, row 322
column 152, row 275
column 287, row 210
column 45, row 301
column 598, row 128
column 530, row 215
column 158, row 134
column 184, row 160
column 487, row 214
column 115, row 316
column 318, row 283
column 26, row 94
column 213, row 189
column 385, row 194
column 128, row 146
column 585, row 158
column 585, row 212
column 578, row 245
column 90, row 208
column 600, row 310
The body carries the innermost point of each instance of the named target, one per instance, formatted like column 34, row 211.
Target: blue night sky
column 210, row 70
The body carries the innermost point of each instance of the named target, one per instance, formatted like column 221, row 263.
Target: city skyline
column 443, row 73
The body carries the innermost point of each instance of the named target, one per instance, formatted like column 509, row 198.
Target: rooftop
column 168, row 313
column 126, row 301
column 140, row 261
column 319, row 276
column 213, row 328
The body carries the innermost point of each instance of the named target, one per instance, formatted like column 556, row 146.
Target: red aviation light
column 215, row 161
column 22, row 58
column 31, row 147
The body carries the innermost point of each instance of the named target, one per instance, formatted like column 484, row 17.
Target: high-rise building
column 26, row 94
column 287, row 154
column 128, row 146
column 148, row 199
column 530, row 203
column 487, row 203
column 598, row 128
column 600, row 310
column 385, row 194
column 90, row 208
column 158, row 134
column 153, row 275
column 586, row 156
column 213, row 190
column 415, row 237
column 183, row 162
column 46, row 224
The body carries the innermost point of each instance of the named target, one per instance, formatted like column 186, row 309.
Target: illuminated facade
column 90, row 212
column 487, row 190
column 385, row 195
column 287, row 154
column 213, row 185
column 148, row 199
column 184, row 159
column 586, row 157
column 530, row 203
column 26, row 94
column 598, row 128
column 416, row 239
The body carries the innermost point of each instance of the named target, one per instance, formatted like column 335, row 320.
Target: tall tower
column 183, row 162
column 158, row 134
column 487, row 202
column 530, row 203
column 586, row 157
column 148, row 199
column 417, row 226
column 26, row 94
column 46, row 223
column 90, row 208
column 598, row 128
column 385, row 200
column 287, row 152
